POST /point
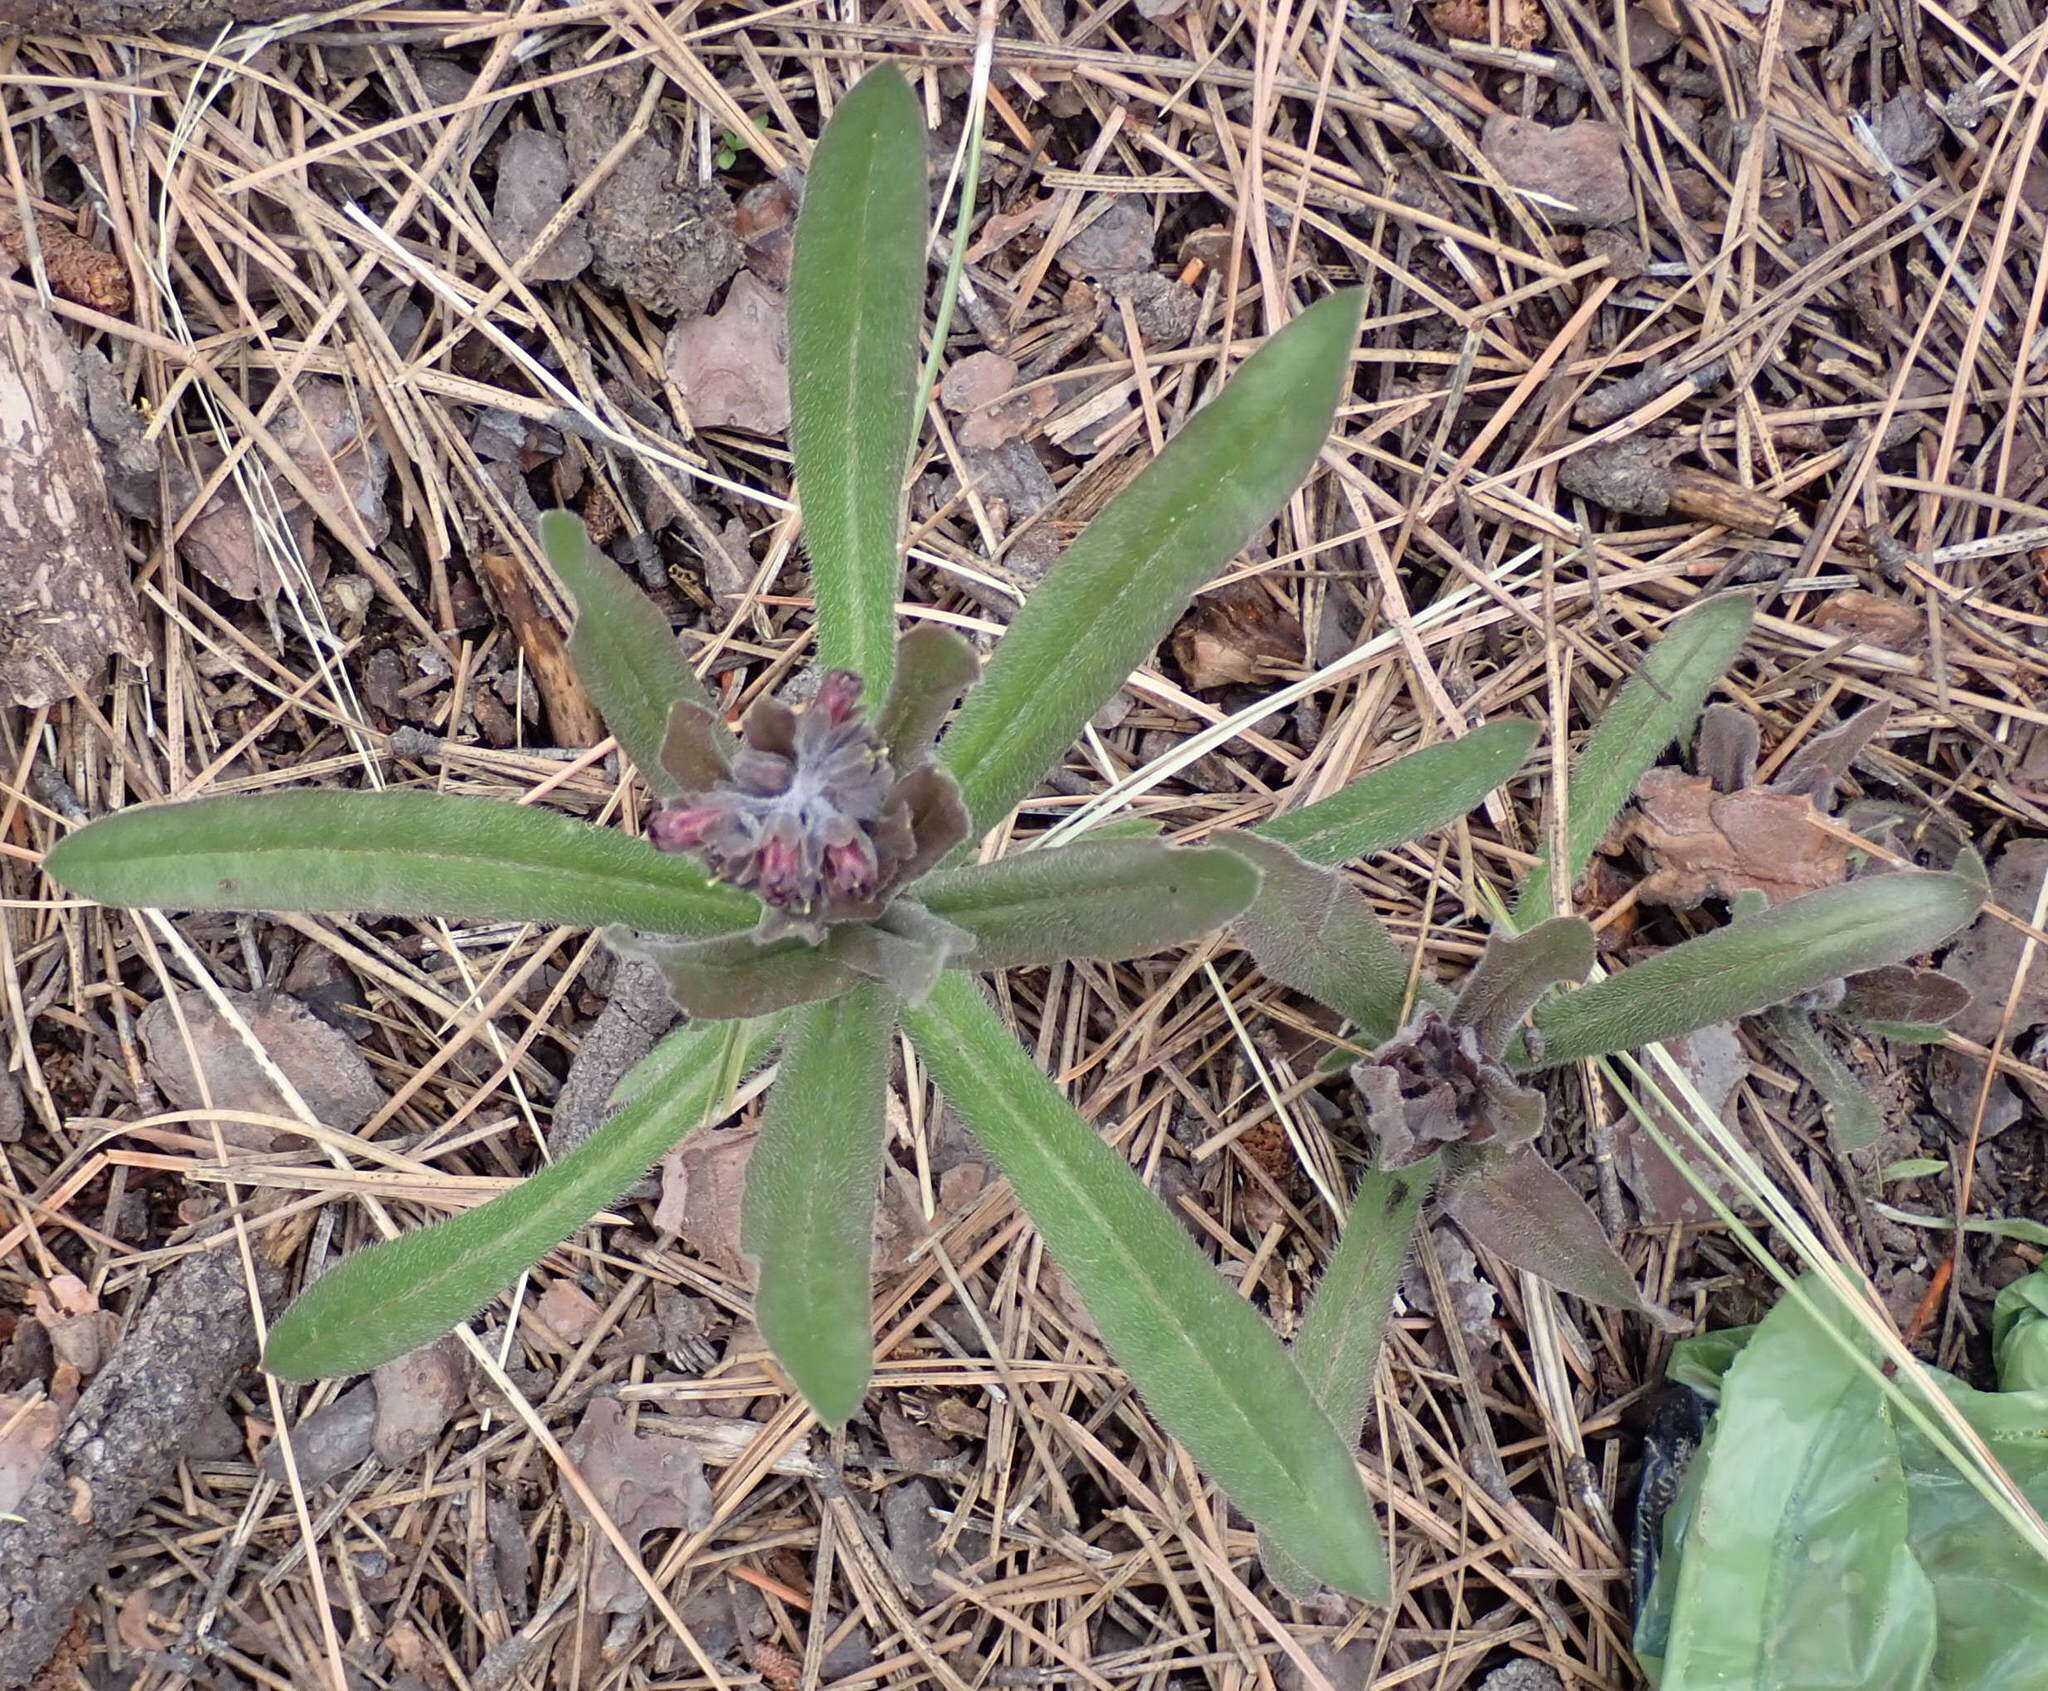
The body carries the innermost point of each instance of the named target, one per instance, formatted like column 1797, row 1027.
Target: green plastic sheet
column 1821, row 1543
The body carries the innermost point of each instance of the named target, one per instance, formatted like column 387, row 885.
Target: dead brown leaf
column 1712, row 1058
column 533, row 181
column 347, row 466
column 1706, row 844
column 418, row 1394
column 566, row 1314
column 1987, row 961
column 979, row 389
column 1578, row 169
column 645, row 1482
column 1116, row 239
column 702, row 1186
column 322, row 1063
column 733, row 366
column 1236, row 636
column 765, row 221
column 29, row 1426
column 81, row 1334
column 1873, row 619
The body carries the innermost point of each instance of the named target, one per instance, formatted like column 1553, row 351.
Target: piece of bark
column 65, row 598
column 572, row 718
column 135, row 17
column 637, row 1014
column 1637, row 476
column 132, row 1427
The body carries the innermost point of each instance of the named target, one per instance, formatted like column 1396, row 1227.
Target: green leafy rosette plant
column 1447, row 1094
column 804, row 888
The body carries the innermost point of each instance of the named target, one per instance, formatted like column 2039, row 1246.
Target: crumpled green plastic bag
column 1821, row 1543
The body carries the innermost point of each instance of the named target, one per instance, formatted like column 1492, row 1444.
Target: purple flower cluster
column 809, row 813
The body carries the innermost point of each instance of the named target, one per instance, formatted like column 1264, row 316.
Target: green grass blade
column 1105, row 899
column 856, row 294
column 1127, row 579
column 1655, row 707
column 391, row 854
column 391, row 1297
column 809, row 1216
column 1405, row 799
column 624, row 651
column 1208, row 1365
column 1750, row 965
column 1338, row 1347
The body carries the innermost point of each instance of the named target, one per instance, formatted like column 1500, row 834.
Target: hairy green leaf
column 1750, row 965
column 809, row 1215
column 1204, row 1359
column 906, row 948
column 395, row 854
column 1105, row 899
column 736, row 976
column 1853, row 1116
column 856, row 294
column 1405, row 799
column 1130, row 575
column 1338, row 1347
column 934, row 666
column 1515, row 971
column 1523, row 1211
column 624, row 651
column 1657, row 706
column 1310, row 929
column 392, row 1297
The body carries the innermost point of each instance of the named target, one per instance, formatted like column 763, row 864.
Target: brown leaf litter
column 533, row 181
column 322, row 1063
column 1987, row 961
column 321, row 431
column 1577, row 168
column 646, row 1482
column 1708, row 844
column 733, row 365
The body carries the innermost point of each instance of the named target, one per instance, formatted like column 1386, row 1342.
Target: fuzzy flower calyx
column 809, row 812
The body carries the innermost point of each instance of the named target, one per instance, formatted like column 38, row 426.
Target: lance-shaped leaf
column 809, row 1215
column 1204, row 1359
column 1338, row 1347
column 624, row 651
column 1130, row 575
column 1654, row 708
column 1310, row 929
column 934, row 666
column 1405, row 799
column 856, row 293
column 736, row 975
column 395, row 854
column 1853, row 1116
column 1517, row 1206
column 395, row 1296
column 1796, row 947
column 1105, row 899
column 1515, row 971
